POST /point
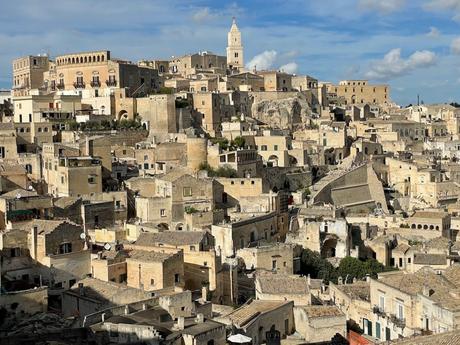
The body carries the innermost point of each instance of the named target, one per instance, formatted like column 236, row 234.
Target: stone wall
column 26, row 301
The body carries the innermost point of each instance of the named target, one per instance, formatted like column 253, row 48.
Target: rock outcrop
column 285, row 113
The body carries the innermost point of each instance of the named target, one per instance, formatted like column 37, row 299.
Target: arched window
column 73, row 60
column 102, row 58
column 98, row 58
column 86, row 59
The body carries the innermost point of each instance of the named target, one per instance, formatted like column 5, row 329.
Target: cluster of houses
column 171, row 202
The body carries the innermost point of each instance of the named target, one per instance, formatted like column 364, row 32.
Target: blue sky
column 413, row 45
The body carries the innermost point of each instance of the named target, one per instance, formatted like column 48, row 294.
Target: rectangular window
column 163, row 212
column 399, row 310
column 377, row 330
column 176, row 278
column 274, row 265
column 91, row 179
column 187, row 191
column 2, row 152
column 382, row 303
column 65, row 248
column 152, row 282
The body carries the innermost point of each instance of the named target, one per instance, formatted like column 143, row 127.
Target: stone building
column 155, row 270
column 283, row 287
column 318, row 324
column 28, row 73
column 202, row 62
column 69, row 174
column 276, row 257
column 256, row 318
column 95, row 74
column 360, row 92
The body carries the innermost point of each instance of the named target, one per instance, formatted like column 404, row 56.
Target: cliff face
column 286, row 113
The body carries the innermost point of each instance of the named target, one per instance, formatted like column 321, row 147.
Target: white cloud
column 202, row 15
column 263, row 60
column 382, row 6
column 393, row 65
column 455, row 46
column 444, row 5
column 434, row 32
column 290, row 67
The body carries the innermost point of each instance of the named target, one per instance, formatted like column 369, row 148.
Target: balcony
column 79, row 85
column 397, row 321
column 111, row 82
column 95, row 83
column 379, row 311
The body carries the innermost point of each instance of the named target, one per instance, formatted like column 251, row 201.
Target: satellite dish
column 107, row 246
column 31, row 188
column 83, row 236
column 18, row 196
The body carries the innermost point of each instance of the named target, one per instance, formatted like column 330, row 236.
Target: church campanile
column 234, row 48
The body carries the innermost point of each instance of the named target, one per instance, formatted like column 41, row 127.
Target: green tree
column 312, row 263
column 222, row 142
column 238, row 142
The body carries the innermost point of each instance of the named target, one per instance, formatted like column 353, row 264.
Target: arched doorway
column 328, row 249
column 123, row 115
column 272, row 161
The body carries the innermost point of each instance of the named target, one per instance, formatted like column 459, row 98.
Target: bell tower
column 234, row 48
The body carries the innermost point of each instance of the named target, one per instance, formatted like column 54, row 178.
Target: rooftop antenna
column 418, row 99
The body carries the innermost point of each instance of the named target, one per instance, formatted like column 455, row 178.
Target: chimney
column 340, row 281
column 103, row 317
column 199, row 318
column 368, row 278
column 126, row 310
column 34, row 242
column 180, row 322
column 308, row 280
column 81, row 290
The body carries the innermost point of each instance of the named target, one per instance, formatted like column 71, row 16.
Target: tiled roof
column 429, row 259
column 203, row 327
column 145, row 255
column 65, row 202
column 429, row 214
column 248, row 312
column 413, row 283
column 46, row 226
column 360, row 290
column 22, row 192
column 448, row 338
column 282, row 284
column 99, row 289
column 175, row 238
column 314, row 311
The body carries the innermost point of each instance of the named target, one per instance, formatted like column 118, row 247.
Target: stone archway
column 328, row 249
column 122, row 115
